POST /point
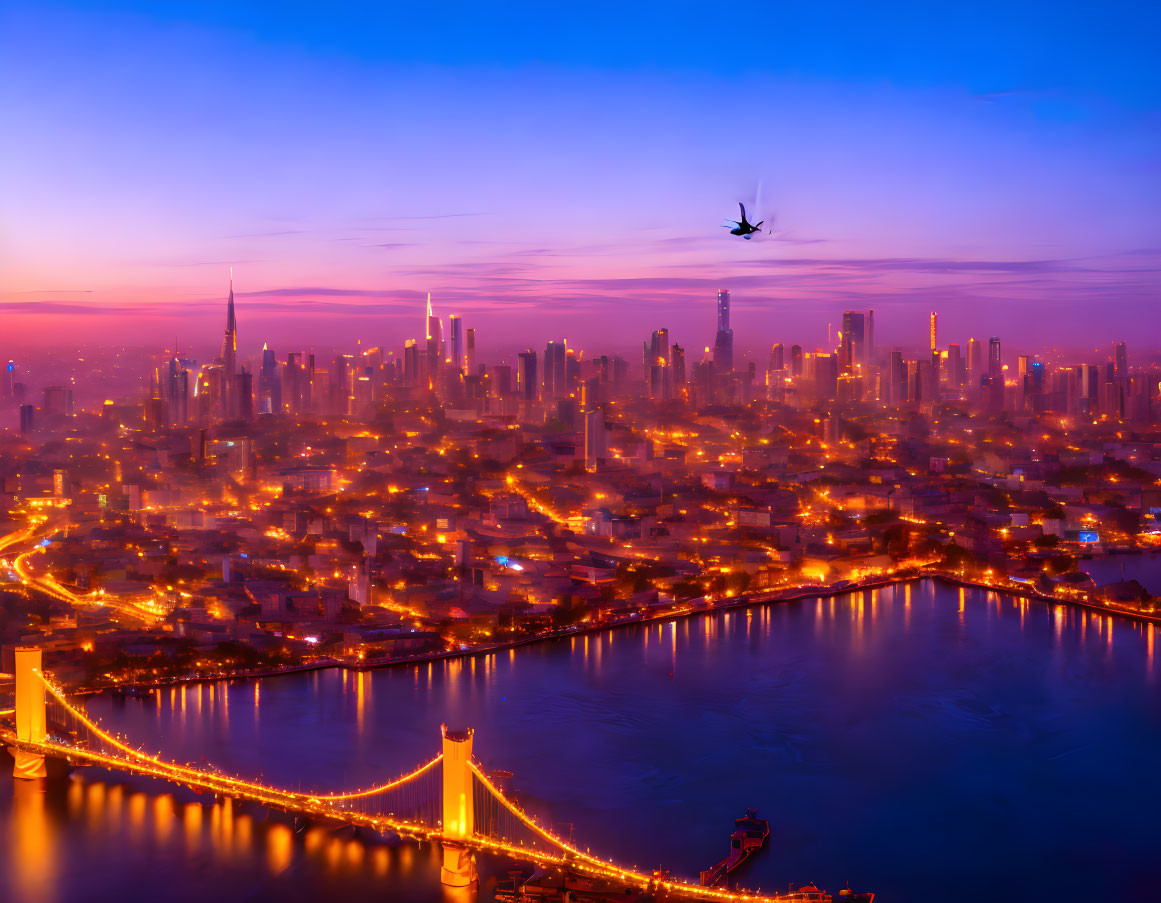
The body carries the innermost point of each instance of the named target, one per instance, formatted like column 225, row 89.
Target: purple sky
column 558, row 170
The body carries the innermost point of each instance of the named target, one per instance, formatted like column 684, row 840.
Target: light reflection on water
column 903, row 739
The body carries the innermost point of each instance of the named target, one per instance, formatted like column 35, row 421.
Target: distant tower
column 456, row 327
column 995, row 365
column 1120, row 361
column 933, row 342
column 470, row 352
column 230, row 340
column 434, row 344
column 724, row 339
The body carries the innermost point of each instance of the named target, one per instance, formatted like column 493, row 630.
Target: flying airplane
column 744, row 229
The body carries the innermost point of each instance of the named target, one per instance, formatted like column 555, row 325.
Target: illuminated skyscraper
column 555, row 371
column 1120, row 360
column 456, row 328
column 677, row 356
column 995, row 365
column 526, row 375
column 434, row 344
column 974, row 364
column 934, row 345
column 269, row 384
column 470, row 353
column 230, row 340
column 854, row 339
column 724, row 338
column 410, row 363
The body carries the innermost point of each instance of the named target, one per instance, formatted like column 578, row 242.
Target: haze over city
column 542, row 168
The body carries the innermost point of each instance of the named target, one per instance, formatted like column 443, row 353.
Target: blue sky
column 536, row 166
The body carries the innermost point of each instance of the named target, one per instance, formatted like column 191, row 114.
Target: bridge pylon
column 30, row 713
column 459, row 862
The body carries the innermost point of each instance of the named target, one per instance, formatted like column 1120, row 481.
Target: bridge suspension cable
column 83, row 718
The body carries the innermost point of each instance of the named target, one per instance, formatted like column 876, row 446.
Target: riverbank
column 750, row 600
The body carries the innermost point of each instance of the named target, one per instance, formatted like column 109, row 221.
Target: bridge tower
column 30, row 713
column 459, row 863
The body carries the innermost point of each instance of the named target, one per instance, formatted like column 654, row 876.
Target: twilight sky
column 560, row 169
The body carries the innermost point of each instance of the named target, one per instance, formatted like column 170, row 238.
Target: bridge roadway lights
column 459, row 862
column 30, row 713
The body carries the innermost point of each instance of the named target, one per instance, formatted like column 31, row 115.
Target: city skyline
column 1011, row 188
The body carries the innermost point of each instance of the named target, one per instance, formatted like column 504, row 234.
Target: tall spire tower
column 230, row 341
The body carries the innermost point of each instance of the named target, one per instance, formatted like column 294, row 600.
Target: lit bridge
column 448, row 799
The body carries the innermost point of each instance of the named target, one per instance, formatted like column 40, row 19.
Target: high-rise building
column 434, row 345
column 410, row 363
column 456, row 328
column 723, row 309
column 555, row 371
column 995, row 364
column 796, row 360
column 777, row 357
column 1120, row 360
column 269, row 383
column 470, row 353
column 596, row 439
column 854, row 340
column 230, row 339
column 677, row 356
column 659, row 346
column 526, row 384
column 870, row 356
column 229, row 356
column 934, row 343
column 896, row 379
column 974, row 364
column 176, row 392
column 27, row 416
column 724, row 337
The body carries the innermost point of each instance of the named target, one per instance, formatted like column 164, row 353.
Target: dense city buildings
column 362, row 507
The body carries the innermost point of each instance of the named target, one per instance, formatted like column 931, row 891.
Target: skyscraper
column 995, row 365
column 934, row 344
column 456, row 328
column 269, row 383
column 723, row 309
column 555, row 371
column 470, row 353
column 526, row 375
column 229, row 354
column 974, row 364
column 1120, row 360
column 724, row 338
column 434, row 344
column 230, row 340
column 854, row 343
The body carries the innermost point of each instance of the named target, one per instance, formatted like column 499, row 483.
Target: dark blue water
column 920, row 742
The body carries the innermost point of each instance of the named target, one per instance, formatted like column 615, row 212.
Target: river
column 924, row 742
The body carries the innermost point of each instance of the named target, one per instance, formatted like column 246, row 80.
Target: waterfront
column 897, row 739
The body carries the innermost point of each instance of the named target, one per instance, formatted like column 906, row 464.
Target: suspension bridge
column 448, row 799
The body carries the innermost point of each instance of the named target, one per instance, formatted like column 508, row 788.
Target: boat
column 807, row 893
column 750, row 834
column 810, row 893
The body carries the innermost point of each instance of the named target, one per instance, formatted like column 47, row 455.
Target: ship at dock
column 750, row 834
